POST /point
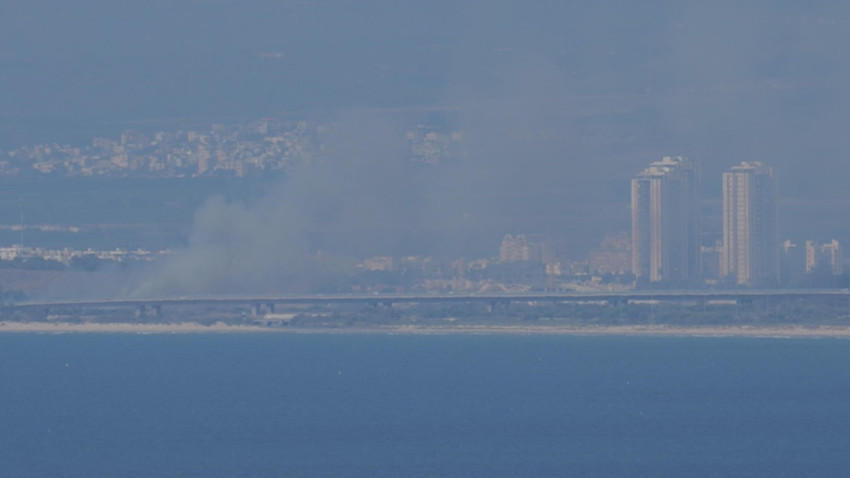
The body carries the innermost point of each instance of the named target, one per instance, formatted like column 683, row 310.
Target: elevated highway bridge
column 262, row 303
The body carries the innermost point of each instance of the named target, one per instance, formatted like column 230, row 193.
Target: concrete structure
column 750, row 251
column 613, row 256
column 665, row 221
column 268, row 304
column 792, row 263
column 527, row 248
column 514, row 249
column 824, row 258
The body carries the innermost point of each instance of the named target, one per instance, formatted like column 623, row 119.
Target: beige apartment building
column 666, row 221
column 750, row 252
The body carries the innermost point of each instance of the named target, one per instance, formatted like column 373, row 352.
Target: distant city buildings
column 613, row 256
column 514, row 249
column 527, row 248
column 380, row 263
column 666, row 237
column 243, row 149
column 824, row 258
column 750, row 252
column 792, row 263
column 664, row 247
column 814, row 265
column 66, row 256
column 666, row 221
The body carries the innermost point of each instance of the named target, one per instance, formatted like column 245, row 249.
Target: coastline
column 614, row 330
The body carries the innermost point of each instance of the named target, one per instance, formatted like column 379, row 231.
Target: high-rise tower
column 750, row 246
column 665, row 221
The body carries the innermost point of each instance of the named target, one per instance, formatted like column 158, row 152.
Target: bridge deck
column 446, row 298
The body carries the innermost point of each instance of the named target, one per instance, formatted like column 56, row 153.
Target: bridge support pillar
column 498, row 306
column 143, row 310
column 261, row 309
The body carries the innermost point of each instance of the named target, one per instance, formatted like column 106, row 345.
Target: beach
column 625, row 330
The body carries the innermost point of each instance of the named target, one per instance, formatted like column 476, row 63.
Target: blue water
column 389, row 406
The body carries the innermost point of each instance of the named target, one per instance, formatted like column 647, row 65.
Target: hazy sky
column 717, row 80
column 560, row 102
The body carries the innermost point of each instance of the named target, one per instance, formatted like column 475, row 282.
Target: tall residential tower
column 750, row 250
column 665, row 221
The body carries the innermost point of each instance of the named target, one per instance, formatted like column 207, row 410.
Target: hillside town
column 239, row 150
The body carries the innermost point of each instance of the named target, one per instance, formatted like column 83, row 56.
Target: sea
column 361, row 405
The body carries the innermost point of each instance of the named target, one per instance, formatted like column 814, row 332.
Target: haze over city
column 406, row 238
column 541, row 115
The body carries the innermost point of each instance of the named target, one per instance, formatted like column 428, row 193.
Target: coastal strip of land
column 624, row 330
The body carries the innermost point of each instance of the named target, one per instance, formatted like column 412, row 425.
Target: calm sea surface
column 105, row 405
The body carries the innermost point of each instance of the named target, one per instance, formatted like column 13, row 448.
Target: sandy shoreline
column 625, row 330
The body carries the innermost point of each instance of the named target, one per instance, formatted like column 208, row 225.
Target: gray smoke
column 560, row 103
column 353, row 193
